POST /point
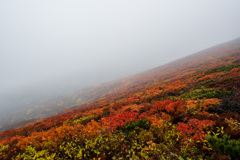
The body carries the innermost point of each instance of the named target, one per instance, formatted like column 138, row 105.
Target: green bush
column 32, row 154
column 79, row 120
column 3, row 151
column 106, row 113
column 104, row 146
column 204, row 93
column 221, row 69
column 206, row 82
column 236, row 61
column 142, row 123
column 225, row 146
column 160, row 88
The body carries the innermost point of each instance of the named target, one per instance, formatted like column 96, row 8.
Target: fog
column 58, row 47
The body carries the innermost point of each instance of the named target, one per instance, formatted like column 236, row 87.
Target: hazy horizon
column 57, row 47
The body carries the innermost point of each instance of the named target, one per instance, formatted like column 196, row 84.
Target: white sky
column 66, row 42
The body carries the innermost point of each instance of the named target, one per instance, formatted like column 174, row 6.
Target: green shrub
column 104, row 146
column 160, row 88
column 79, row 120
column 236, row 61
column 3, row 151
column 221, row 69
column 142, row 123
column 200, row 76
column 206, row 82
column 225, row 146
column 106, row 113
column 32, row 154
column 204, row 93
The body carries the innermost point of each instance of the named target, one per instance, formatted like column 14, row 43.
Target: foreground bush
column 225, row 146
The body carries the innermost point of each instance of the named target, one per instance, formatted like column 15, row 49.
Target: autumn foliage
column 166, row 113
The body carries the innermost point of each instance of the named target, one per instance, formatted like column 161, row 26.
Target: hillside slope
column 184, row 109
column 22, row 116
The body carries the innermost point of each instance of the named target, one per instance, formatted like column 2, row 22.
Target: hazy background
column 56, row 46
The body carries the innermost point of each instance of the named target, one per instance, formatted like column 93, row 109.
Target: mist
column 53, row 48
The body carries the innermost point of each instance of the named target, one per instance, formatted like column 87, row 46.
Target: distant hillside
column 193, row 63
column 189, row 108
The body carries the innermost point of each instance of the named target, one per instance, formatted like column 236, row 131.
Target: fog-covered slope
column 185, row 109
